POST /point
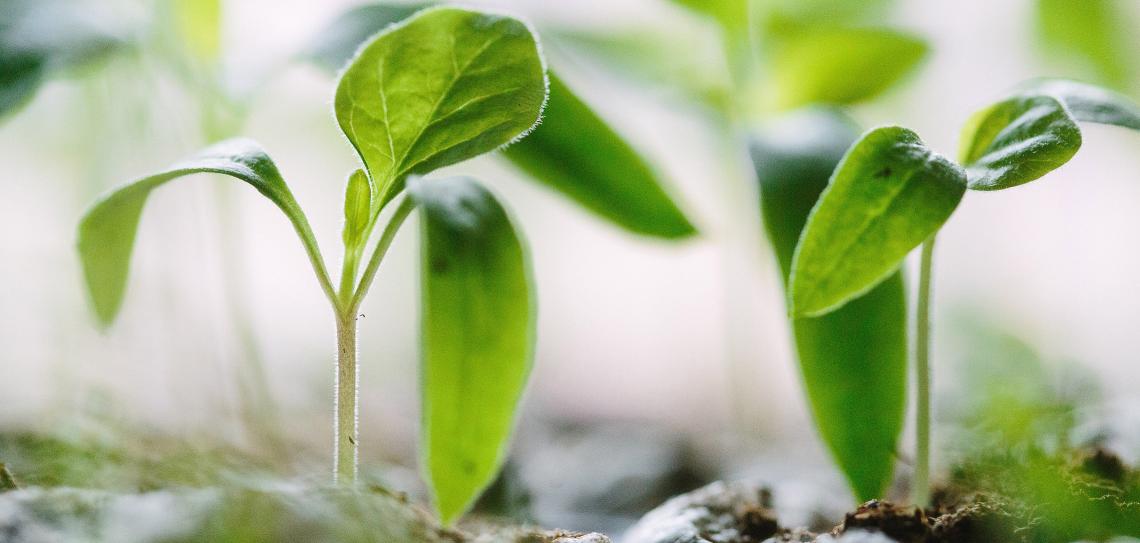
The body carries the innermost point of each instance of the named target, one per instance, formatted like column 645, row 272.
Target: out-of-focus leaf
column 107, row 231
column 888, row 195
column 575, row 152
column 839, row 65
column 776, row 15
column 199, row 24
column 336, row 44
column 1096, row 33
column 1090, row 103
column 1017, row 140
column 445, row 85
column 853, row 360
column 38, row 37
column 478, row 336
column 732, row 15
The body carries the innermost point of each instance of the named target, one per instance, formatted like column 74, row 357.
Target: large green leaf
column 335, row 45
column 107, row 230
column 575, row 152
column 1017, row 140
column 839, row 65
column 853, row 360
column 1099, row 34
column 888, row 195
column 1090, row 103
column 443, row 86
column 478, row 336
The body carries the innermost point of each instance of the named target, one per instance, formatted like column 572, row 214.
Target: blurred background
column 224, row 323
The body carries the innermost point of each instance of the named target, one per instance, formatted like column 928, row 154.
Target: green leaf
column 1096, row 33
column 1090, row 103
column 576, row 153
column 730, row 14
column 336, row 44
column 1017, row 140
column 443, row 86
column 839, row 65
column 357, row 208
column 20, row 77
column 854, row 359
column 478, row 336
column 888, row 195
column 107, row 230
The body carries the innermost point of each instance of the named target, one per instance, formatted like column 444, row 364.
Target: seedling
column 891, row 193
column 443, row 86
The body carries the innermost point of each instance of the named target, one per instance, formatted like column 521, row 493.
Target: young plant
column 443, row 86
column 891, row 193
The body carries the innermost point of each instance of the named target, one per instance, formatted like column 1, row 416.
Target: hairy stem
column 347, row 402
column 922, row 378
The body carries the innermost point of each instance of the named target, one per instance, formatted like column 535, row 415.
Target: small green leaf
column 854, row 359
column 20, row 76
column 441, row 87
column 1090, row 103
column 839, row 65
column 107, row 230
column 478, row 336
column 576, row 153
column 1096, row 33
column 888, row 195
column 357, row 208
column 1017, row 140
column 336, row 44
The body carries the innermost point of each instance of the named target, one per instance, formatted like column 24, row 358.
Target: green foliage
column 442, row 87
column 836, row 65
column 575, row 152
column 853, row 360
column 478, row 336
column 357, row 210
column 107, row 231
column 1017, row 141
column 887, row 196
column 1096, row 33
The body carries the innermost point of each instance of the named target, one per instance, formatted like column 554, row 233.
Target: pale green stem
column 402, row 211
column 345, row 456
column 922, row 378
column 347, row 402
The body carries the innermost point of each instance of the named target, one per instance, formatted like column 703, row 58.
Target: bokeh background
column 687, row 337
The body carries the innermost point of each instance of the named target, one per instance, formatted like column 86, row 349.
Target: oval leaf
column 854, row 359
column 443, row 86
column 885, row 198
column 839, row 65
column 478, row 336
column 357, row 208
column 1090, row 103
column 576, row 153
column 1017, row 140
column 1097, row 34
column 107, row 230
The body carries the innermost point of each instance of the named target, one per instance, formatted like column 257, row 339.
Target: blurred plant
column 441, row 87
column 574, row 151
column 891, row 193
column 1095, row 36
column 39, row 38
column 1017, row 445
column 782, row 55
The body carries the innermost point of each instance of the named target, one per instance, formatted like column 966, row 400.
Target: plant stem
column 347, row 400
column 402, row 211
column 922, row 377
